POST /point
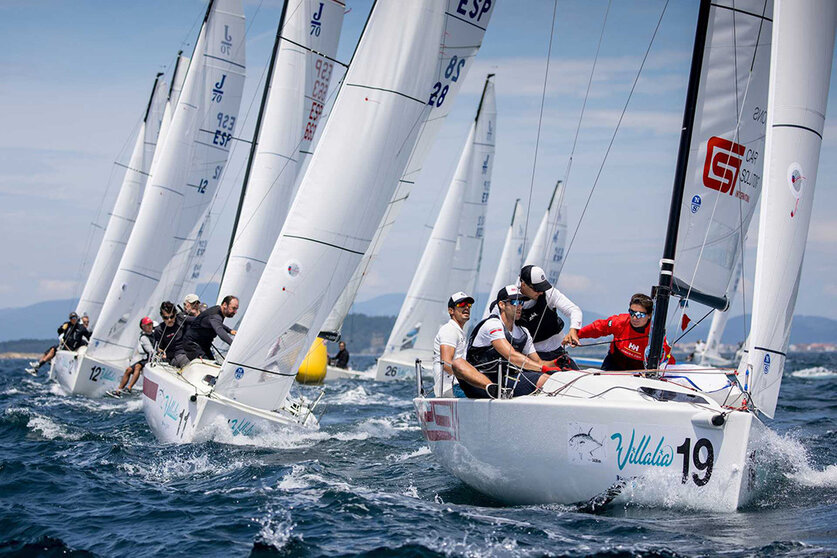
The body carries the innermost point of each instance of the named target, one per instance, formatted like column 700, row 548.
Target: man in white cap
column 497, row 342
column 540, row 316
column 192, row 305
column 449, row 345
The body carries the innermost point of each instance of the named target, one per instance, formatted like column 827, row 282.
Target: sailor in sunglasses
column 630, row 335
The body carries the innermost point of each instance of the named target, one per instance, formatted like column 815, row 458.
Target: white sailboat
column 547, row 250
column 508, row 267
column 183, row 178
column 409, row 58
column 589, row 437
column 450, row 259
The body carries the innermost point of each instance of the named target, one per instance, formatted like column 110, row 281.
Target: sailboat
column 413, row 55
column 591, row 436
column 547, row 249
column 450, row 261
column 183, row 178
column 508, row 268
column 711, row 355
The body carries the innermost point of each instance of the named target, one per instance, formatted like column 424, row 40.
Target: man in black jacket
column 73, row 334
column 197, row 341
column 169, row 334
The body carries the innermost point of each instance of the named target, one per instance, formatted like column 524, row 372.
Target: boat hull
column 334, row 374
column 538, row 450
column 389, row 369
column 180, row 407
column 81, row 374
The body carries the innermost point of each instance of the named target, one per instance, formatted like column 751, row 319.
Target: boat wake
column 814, row 372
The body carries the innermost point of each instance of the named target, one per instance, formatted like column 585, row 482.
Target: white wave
column 44, row 426
column 182, row 467
column 11, row 391
column 423, row 450
column 360, row 396
column 827, row 478
column 277, row 529
column 788, row 455
column 814, row 372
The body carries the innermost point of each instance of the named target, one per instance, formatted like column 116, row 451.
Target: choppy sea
column 84, row 477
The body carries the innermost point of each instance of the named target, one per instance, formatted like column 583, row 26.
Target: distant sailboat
column 711, row 355
column 508, row 268
column 651, row 435
column 183, row 179
column 450, row 259
column 386, row 97
column 547, row 250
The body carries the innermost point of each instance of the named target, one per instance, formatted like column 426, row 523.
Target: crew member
column 192, row 305
column 449, row 345
column 497, row 342
column 142, row 354
column 168, row 335
column 630, row 335
column 341, row 359
column 540, row 317
column 197, row 341
column 66, row 332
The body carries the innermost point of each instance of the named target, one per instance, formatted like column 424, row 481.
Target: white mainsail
column 803, row 48
column 183, row 178
column 547, row 249
column 181, row 68
column 508, row 267
column 462, row 212
column 126, row 207
column 408, row 60
column 725, row 158
column 295, row 93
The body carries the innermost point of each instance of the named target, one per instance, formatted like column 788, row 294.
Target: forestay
column 727, row 149
column 399, row 72
column 183, row 179
column 803, row 46
column 456, row 238
column 126, row 207
column 456, row 59
column 547, row 250
column 298, row 81
column 509, row 266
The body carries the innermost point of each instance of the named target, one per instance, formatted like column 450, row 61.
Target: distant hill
column 37, row 321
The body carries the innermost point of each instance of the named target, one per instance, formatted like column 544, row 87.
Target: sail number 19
column 703, row 458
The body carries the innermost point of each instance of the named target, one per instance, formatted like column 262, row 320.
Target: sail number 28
column 703, row 457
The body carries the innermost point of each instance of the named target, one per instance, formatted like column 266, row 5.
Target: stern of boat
column 80, row 374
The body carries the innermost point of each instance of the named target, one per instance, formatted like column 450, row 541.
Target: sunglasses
column 514, row 302
column 635, row 314
column 168, row 317
column 464, row 304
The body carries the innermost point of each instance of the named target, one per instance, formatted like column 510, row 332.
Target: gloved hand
column 493, row 390
column 550, row 369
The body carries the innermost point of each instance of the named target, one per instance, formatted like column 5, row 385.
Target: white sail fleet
column 320, row 195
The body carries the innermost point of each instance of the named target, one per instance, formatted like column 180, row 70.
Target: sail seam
column 131, row 168
column 225, row 60
column 819, row 135
column 464, row 20
column 262, row 369
column 739, row 10
column 386, row 91
column 311, row 50
column 766, row 350
column 324, row 243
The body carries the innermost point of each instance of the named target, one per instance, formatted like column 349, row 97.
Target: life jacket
column 486, row 359
column 542, row 321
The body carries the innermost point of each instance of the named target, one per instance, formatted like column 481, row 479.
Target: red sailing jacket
column 626, row 339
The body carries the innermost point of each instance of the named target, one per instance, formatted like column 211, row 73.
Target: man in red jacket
column 630, row 335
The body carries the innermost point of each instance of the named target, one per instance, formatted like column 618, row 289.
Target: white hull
column 403, row 367
column 574, row 447
column 80, row 374
column 183, row 408
column 334, row 374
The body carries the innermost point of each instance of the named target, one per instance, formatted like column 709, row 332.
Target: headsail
column 411, row 57
column 724, row 174
column 799, row 82
column 127, row 205
column 711, row 353
column 547, row 249
column 183, row 178
column 508, row 267
column 295, row 93
column 423, row 310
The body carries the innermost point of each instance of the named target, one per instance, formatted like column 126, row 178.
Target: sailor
column 341, row 359
column 66, row 331
column 630, row 335
column 540, row 317
column 192, row 305
column 449, row 345
column 142, row 354
column 168, row 335
column 497, row 342
column 197, row 341
column 85, row 321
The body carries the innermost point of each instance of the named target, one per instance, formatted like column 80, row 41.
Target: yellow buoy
column 313, row 368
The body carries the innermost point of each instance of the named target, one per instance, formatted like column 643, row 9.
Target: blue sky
column 77, row 76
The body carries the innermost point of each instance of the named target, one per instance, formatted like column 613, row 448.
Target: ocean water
column 86, row 477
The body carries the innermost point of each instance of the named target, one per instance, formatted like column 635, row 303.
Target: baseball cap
column 509, row 292
column 534, row 276
column 456, row 298
column 191, row 298
column 145, row 321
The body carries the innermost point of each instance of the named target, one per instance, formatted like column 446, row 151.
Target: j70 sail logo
column 723, row 161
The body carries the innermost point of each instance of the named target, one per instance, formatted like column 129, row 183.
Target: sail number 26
column 703, row 457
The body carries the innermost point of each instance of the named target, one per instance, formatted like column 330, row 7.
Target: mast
column 151, row 97
column 256, row 133
column 174, row 73
column 662, row 292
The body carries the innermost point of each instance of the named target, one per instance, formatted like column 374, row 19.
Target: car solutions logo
column 723, row 161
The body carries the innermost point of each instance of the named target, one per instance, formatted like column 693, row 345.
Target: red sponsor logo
column 438, row 420
column 723, row 161
column 149, row 389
